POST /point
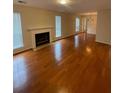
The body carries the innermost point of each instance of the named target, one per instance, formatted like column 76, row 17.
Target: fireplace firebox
column 42, row 38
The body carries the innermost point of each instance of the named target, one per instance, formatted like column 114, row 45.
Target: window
column 17, row 31
column 77, row 24
column 58, row 26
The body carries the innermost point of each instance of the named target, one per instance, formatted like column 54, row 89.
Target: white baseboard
column 67, row 36
column 108, row 43
column 63, row 37
column 94, row 33
column 21, row 50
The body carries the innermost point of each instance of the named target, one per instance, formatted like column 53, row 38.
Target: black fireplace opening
column 42, row 38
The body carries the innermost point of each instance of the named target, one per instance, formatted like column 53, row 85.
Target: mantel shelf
column 39, row 28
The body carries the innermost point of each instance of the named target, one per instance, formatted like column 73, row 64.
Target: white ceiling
column 77, row 6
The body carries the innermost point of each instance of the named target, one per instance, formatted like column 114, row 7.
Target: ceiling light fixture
column 63, row 2
column 21, row 1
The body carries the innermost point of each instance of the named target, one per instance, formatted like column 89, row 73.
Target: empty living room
column 62, row 46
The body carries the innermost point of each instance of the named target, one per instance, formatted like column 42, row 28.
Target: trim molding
column 103, row 42
column 39, row 28
column 21, row 51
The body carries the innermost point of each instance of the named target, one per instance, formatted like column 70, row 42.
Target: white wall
column 103, row 33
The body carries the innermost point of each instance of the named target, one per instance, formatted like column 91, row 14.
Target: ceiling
column 76, row 6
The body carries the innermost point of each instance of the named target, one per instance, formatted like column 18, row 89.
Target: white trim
column 39, row 28
column 94, row 33
column 108, row 43
column 20, row 50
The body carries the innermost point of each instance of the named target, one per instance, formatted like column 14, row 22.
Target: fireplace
column 42, row 38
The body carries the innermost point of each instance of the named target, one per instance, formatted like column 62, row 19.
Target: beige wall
column 103, row 33
column 36, row 17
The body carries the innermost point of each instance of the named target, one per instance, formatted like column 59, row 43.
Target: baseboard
column 21, row 51
column 67, row 36
column 91, row 33
column 103, row 42
column 71, row 35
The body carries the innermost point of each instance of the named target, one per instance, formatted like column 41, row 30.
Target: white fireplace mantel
column 38, row 30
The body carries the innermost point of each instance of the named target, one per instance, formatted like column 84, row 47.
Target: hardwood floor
column 73, row 65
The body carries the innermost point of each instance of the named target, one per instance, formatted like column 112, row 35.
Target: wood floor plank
column 72, row 65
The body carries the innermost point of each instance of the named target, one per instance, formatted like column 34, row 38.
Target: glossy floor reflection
column 73, row 65
column 76, row 40
column 20, row 72
column 58, row 51
column 88, row 49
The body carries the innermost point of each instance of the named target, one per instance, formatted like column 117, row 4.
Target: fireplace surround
column 41, row 37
